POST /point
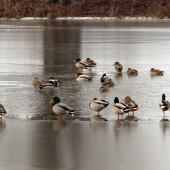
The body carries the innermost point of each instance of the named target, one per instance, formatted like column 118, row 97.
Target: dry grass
column 91, row 8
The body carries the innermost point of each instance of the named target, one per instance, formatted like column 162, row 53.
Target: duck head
column 78, row 75
column 152, row 69
column 55, row 100
column 94, row 99
column 77, row 60
column 163, row 96
column 116, row 100
column 116, row 63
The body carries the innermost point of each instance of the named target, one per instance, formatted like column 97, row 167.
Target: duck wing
column 83, row 63
column 64, row 106
column 133, row 106
column 102, row 102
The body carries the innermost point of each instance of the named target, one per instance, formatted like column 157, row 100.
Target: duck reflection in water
column 118, row 75
column 60, row 125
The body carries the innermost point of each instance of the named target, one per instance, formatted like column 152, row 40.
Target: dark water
column 45, row 48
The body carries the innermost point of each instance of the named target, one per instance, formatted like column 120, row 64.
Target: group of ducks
column 51, row 83
column 120, row 108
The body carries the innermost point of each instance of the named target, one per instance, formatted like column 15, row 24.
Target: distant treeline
column 84, row 8
column 60, row 2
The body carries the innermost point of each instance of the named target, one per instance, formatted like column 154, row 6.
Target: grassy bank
column 91, row 8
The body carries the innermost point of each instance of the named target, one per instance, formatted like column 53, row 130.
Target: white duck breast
column 83, row 77
column 61, row 108
column 81, row 65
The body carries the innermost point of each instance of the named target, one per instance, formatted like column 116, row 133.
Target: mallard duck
column 132, row 72
column 60, row 108
column 91, row 63
column 53, row 81
column 156, row 72
column 103, row 88
column 36, row 82
column 164, row 104
column 98, row 105
column 2, row 111
column 132, row 105
column 119, row 108
column 47, row 86
column 118, row 67
column 81, row 65
column 109, row 83
column 103, row 78
column 80, row 77
column 50, row 84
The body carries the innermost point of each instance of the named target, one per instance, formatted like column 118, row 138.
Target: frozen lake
column 45, row 48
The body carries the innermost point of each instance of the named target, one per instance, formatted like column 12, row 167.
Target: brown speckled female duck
column 118, row 67
column 156, row 72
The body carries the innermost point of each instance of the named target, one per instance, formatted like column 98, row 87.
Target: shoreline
column 87, row 18
column 91, row 8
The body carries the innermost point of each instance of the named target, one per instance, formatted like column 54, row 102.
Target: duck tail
column 90, row 78
column 41, row 86
column 126, row 110
column 71, row 112
column 106, row 104
column 55, row 84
